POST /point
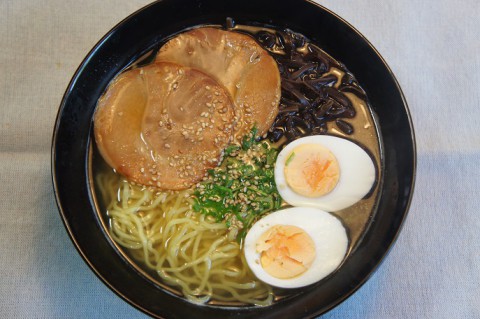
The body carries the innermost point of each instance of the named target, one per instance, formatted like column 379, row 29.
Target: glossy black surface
column 140, row 32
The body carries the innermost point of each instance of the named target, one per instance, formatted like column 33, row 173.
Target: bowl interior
column 150, row 26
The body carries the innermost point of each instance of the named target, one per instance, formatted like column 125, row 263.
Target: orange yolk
column 311, row 170
column 285, row 251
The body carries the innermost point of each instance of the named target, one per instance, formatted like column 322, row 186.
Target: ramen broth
column 362, row 128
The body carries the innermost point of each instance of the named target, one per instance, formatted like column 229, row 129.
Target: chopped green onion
column 242, row 188
column 290, row 158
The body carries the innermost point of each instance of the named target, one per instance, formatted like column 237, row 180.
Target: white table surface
column 432, row 47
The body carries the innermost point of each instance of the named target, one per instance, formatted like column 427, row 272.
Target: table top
column 432, row 47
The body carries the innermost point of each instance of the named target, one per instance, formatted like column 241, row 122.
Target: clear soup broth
column 201, row 258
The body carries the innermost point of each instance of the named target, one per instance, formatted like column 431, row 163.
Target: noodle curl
column 186, row 249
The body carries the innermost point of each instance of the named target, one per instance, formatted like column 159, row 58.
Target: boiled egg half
column 324, row 171
column 295, row 247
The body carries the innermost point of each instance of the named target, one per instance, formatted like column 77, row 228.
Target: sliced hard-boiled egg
column 295, row 247
column 318, row 167
column 286, row 251
column 323, row 171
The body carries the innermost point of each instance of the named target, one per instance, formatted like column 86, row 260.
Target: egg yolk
column 311, row 170
column 285, row 251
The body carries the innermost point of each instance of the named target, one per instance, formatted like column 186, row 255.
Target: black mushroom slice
column 344, row 126
column 312, row 95
column 267, row 39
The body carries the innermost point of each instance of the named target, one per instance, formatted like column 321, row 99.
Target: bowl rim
column 118, row 292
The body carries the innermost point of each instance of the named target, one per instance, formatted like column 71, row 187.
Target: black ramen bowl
column 136, row 35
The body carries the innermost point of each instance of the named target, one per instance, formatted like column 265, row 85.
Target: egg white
column 326, row 231
column 357, row 174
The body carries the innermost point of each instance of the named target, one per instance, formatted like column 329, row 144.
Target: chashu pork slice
column 164, row 125
column 239, row 63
